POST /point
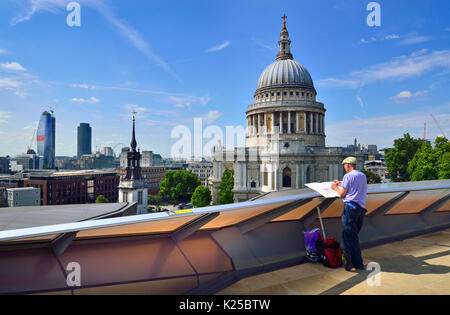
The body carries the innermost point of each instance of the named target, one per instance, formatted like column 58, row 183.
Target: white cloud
column 9, row 83
column 403, row 94
column 83, row 86
column 379, row 38
column 408, row 96
column 82, row 100
column 135, row 108
column 12, row 66
column 414, row 38
column 2, row 51
column 37, row 6
column 360, row 101
column 391, row 36
column 188, row 101
column 219, row 47
column 212, row 116
column 398, row 68
column 5, row 114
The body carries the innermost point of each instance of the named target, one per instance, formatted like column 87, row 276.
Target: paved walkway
column 419, row 265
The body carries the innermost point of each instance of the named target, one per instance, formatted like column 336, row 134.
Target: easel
column 321, row 223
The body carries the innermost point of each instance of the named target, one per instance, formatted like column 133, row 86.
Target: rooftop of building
column 21, row 189
column 415, row 266
column 35, row 216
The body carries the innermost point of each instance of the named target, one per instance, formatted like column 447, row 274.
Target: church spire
column 133, row 139
column 284, row 43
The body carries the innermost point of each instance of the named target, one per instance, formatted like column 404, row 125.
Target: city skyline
column 173, row 63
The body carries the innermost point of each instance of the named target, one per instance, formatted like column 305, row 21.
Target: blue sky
column 173, row 61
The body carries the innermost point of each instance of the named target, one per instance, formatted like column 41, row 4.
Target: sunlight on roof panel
column 149, row 227
column 231, row 217
column 300, row 212
column 417, row 201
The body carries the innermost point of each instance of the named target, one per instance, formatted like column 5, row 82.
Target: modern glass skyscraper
column 46, row 139
column 84, row 140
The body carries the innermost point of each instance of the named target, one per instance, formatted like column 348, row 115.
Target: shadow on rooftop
column 399, row 264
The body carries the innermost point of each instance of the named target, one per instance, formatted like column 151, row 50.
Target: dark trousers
column 352, row 221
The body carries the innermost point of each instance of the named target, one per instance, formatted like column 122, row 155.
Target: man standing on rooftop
column 353, row 189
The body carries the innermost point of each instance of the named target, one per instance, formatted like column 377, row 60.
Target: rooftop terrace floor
column 419, row 265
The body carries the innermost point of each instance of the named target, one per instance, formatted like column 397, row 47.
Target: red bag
column 330, row 252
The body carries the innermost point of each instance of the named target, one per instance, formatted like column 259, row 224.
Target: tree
column 101, row 199
column 431, row 163
column 225, row 195
column 371, row 177
column 179, row 185
column 201, row 197
column 397, row 158
column 442, row 147
column 154, row 200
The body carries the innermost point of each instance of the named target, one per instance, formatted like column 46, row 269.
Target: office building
column 108, row 151
column 84, row 140
column 24, row 162
column 46, row 134
column 4, row 165
column 23, row 197
column 201, row 168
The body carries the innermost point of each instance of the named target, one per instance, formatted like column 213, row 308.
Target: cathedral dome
column 285, row 73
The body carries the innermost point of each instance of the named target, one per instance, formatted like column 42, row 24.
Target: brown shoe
column 348, row 261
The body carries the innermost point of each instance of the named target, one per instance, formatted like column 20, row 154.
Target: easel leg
column 321, row 223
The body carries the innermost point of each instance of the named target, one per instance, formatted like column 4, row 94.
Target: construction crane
column 29, row 151
column 435, row 120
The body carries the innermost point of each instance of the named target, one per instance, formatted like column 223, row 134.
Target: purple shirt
column 356, row 183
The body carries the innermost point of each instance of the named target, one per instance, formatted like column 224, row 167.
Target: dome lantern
column 284, row 43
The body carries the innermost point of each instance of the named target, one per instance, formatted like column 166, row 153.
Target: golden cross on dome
column 284, row 17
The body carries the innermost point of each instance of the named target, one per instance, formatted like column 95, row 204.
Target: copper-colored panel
column 300, row 212
column 417, row 201
column 227, row 218
column 445, row 207
column 30, row 270
column 374, row 201
column 38, row 239
column 334, row 210
column 126, row 261
column 205, row 254
column 158, row 287
column 158, row 226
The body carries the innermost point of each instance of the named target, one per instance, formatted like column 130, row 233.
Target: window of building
column 140, row 199
column 125, row 197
